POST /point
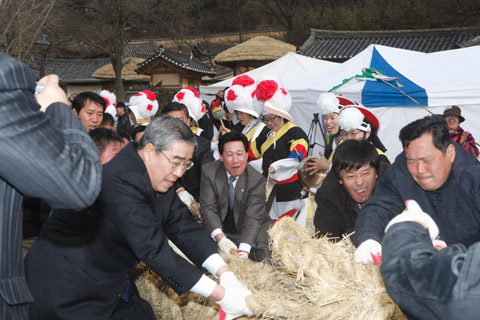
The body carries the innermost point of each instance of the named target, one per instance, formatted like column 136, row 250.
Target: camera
column 39, row 87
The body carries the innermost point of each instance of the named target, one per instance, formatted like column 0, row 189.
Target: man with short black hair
column 355, row 168
column 232, row 201
column 432, row 170
column 108, row 121
column 107, row 142
column 123, row 122
column 89, row 107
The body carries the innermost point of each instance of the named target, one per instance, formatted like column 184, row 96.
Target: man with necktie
column 232, row 201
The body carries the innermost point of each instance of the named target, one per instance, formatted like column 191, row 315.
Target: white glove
column 439, row 244
column 226, row 245
column 243, row 254
column 228, row 279
column 365, row 251
column 234, row 304
column 413, row 212
column 186, row 198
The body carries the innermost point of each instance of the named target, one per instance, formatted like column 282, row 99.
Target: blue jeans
column 426, row 283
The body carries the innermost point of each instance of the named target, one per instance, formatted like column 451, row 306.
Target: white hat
column 238, row 98
column 147, row 103
column 356, row 117
column 191, row 99
column 111, row 101
column 274, row 98
column 331, row 103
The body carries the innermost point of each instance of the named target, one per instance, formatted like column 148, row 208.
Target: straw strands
column 312, row 279
column 256, row 49
column 128, row 71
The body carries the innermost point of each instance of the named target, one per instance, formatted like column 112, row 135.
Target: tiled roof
column 72, row 70
column 342, row 45
column 139, row 50
column 181, row 60
column 221, row 34
column 205, row 50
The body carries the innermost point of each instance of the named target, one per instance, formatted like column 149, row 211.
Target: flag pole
column 406, row 95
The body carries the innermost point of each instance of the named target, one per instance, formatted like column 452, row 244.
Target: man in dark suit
column 232, row 201
column 46, row 153
column 84, row 263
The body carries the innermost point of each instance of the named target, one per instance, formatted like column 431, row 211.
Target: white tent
column 289, row 69
column 435, row 80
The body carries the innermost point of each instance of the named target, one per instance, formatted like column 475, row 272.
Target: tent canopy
column 435, row 80
column 289, row 69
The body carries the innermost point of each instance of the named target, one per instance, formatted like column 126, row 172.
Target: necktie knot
column 232, row 179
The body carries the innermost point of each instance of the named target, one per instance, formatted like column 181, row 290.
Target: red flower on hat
column 138, row 94
column 243, row 80
column 195, row 92
column 106, row 100
column 150, row 95
column 253, row 93
column 149, row 107
column 180, row 96
column 231, row 96
column 266, row 89
column 284, row 91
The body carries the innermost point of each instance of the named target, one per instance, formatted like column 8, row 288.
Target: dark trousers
column 136, row 308
column 426, row 283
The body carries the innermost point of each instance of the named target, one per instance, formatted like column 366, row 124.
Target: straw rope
column 313, row 279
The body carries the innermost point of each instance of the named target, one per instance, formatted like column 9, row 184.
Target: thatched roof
column 262, row 48
column 128, row 72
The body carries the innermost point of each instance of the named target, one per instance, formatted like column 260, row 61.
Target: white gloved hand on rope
column 234, row 304
column 226, row 245
column 367, row 250
column 229, row 279
column 185, row 196
column 414, row 213
column 243, row 254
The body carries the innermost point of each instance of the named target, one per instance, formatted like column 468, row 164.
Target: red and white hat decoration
column 111, row 101
column 146, row 102
column 239, row 97
column 272, row 97
column 191, row 99
column 331, row 103
column 356, row 117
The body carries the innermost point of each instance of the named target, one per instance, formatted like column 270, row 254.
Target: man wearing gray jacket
column 232, row 201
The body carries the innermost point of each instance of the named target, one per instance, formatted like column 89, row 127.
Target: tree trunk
column 117, row 64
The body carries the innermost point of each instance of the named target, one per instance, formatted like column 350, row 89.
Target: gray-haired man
column 136, row 213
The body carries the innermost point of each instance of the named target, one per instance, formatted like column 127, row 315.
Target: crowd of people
column 102, row 192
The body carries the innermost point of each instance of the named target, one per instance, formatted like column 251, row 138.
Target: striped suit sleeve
column 44, row 155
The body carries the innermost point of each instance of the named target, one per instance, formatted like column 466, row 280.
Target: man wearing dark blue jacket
column 425, row 282
column 434, row 171
column 46, row 153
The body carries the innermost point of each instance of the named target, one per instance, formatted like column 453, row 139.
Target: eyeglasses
column 185, row 164
column 269, row 120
